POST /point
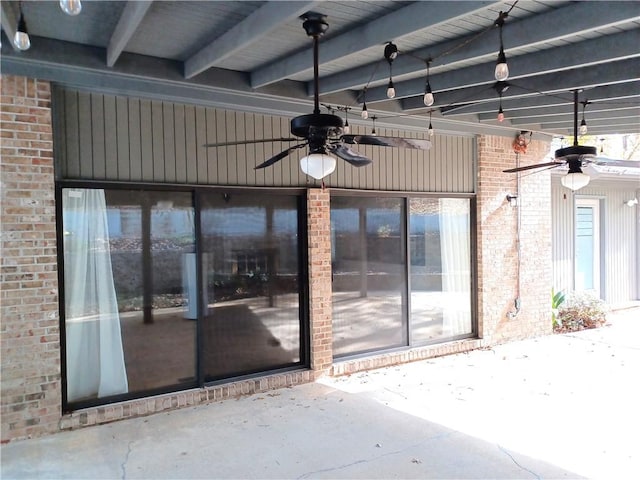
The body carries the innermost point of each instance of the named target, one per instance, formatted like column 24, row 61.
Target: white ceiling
column 256, row 56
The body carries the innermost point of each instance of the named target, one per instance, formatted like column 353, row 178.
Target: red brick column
column 498, row 243
column 319, row 228
column 30, row 335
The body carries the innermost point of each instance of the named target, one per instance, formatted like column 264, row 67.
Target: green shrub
column 581, row 310
column 557, row 299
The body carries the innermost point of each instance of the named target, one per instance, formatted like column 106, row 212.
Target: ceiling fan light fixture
column 21, row 38
column 71, row 7
column 318, row 165
column 575, row 180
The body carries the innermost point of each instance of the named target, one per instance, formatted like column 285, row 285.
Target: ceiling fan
column 575, row 157
column 324, row 133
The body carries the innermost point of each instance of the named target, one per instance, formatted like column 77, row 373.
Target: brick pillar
column 497, row 242
column 319, row 231
column 30, row 335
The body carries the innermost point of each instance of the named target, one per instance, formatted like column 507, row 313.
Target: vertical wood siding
column 619, row 238
column 106, row 137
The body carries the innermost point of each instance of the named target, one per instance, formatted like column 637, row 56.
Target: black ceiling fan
column 324, row 133
column 575, row 157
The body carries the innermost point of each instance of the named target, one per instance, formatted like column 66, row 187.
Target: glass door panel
column 440, row 255
column 369, row 274
column 126, row 322
column 250, row 263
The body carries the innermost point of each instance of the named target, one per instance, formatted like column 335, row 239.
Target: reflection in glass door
column 250, row 263
column 126, row 312
column 369, row 274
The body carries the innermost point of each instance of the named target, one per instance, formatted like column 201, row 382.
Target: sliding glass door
column 151, row 307
column 390, row 292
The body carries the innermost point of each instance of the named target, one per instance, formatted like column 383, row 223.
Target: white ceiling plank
column 619, row 93
column 406, row 21
column 131, row 17
column 536, row 31
column 609, row 48
column 257, row 25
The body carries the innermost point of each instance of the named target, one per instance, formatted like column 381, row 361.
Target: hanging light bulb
column 391, row 91
column 71, row 7
column 500, row 114
column 583, row 124
column 502, row 69
column 346, row 128
column 583, row 127
column 428, row 94
column 365, row 113
column 21, row 39
column 390, row 54
column 373, row 130
column 430, row 131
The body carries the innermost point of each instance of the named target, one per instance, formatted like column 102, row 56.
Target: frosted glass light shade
column 502, row 72
column 71, row 7
column 502, row 69
column 575, row 181
column 318, row 165
column 21, row 40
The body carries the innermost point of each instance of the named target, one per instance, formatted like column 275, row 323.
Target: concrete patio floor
column 562, row 406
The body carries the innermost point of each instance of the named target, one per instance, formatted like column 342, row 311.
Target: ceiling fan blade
column 350, row 156
column 247, row 142
column 531, row 167
column 387, row 141
column 610, row 162
column 279, row 156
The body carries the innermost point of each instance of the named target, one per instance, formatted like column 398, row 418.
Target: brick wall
column 30, row 343
column 498, row 243
column 319, row 238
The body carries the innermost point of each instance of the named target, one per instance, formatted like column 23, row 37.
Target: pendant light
column 430, row 129
column 428, row 94
column 21, row 39
column 346, row 128
column 500, row 111
column 390, row 54
column 373, row 130
column 583, row 124
column 501, row 87
column 365, row 113
column 71, row 7
column 502, row 69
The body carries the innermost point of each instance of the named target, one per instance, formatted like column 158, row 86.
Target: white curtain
column 95, row 359
column 456, row 264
